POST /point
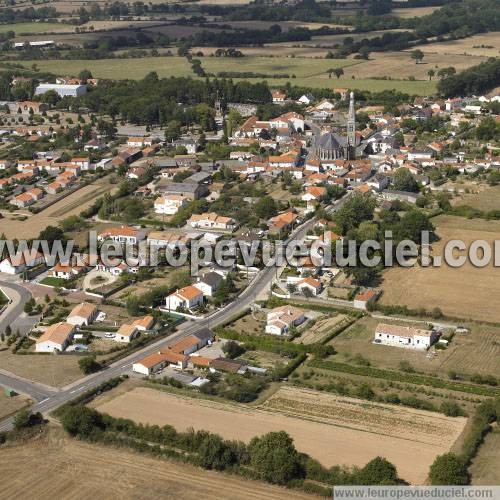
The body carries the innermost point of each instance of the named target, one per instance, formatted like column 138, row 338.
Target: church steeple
column 351, row 130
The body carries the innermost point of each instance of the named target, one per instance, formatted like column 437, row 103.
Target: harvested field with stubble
column 55, row 466
column 463, row 292
column 351, row 433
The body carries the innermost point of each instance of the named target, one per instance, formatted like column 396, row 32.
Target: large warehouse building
column 61, row 89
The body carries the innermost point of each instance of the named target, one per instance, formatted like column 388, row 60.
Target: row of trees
column 271, row 457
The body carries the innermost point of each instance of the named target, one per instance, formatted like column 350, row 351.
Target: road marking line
column 43, row 401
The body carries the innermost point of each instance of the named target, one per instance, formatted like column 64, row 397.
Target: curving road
column 18, row 296
column 53, row 399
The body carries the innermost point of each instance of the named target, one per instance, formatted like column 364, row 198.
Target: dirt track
column 55, row 466
column 330, row 444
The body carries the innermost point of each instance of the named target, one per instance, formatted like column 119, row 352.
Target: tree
column 88, row 364
column 431, row 73
column 85, row 75
column 449, row 469
column 172, row 131
column 338, row 72
column 265, row 207
column 22, row 419
column 274, row 457
column 417, row 55
column 51, row 234
column 488, row 129
column 233, row 349
column 51, row 97
column 81, row 421
column 378, row 471
column 214, row 453
column 404, row 181
column 358, row 208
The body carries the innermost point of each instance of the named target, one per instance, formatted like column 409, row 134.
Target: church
column 332, row 146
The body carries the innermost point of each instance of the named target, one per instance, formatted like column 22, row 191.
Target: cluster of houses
column 57, row 337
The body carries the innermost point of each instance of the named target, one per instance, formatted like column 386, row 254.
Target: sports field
column 331, row 429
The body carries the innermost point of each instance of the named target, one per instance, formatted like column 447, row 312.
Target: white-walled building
column 170, row 204
column 280, row 319
column 56, row 338
column 404, row 336
column 186, row 298
column 82, row 314
column 61, row 89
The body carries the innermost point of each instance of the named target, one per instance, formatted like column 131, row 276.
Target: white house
column 61, row 90
column 170, row 204
column 184, row 298
column 211, row 220
column 280, row 319
column 305, row 99
column 20, row 263
column 362, row 298
column 82, row 314
column 404, row 336
column 158, row 360
column 311, row 284
column 209, row 283
column 56, row 338
column 126, row 333
column 123, row 234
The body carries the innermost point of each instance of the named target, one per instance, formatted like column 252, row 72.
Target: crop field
column 480, row 197
column 119, row 69
column 464, row 292
column 485, row 468
column 60, row 467
column 20, row 28
column 321, row 329
column 400, row 65
column 484, row 44
column 72, row 204
column 300, row 67
column 475, row 353
column 413, row 11
column 348, row 440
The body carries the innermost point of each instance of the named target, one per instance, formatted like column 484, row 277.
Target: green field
column 308, row 72
column 300, row 67
column 30, row 28
column 118, row 69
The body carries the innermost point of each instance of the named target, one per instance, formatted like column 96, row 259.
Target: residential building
column 122, row 234
column 126, row 333
column 83, row 314
column 211, row 220
column 280, row 319
column 404, row 336
column 56, row 338
column 144, row 324
column 170, row 204
column 20, row 262
column 363, row 298
column 184, row 298
column 311, row 284
column 209, row 283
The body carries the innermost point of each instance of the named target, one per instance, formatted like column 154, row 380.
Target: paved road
column 260, row 283
column 18, row 296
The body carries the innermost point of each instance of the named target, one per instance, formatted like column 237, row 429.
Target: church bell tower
column 351, row 130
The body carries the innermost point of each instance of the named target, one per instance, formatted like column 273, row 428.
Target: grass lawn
column 118, row 69
column 25, row 28
column 51, row 281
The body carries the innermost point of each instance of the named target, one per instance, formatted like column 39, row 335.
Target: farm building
column 404, row 336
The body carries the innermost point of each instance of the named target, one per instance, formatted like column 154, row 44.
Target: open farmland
column 331, row 442
column 414, row 11
column 400, row 65
column 464, row 292
column 118, row 69
column 61, row 467
column 475, row 353
column 300, row 67
column 484, row 44
column 20, row 28
column 481, row 197
column 485, row 468
column 72, row 204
